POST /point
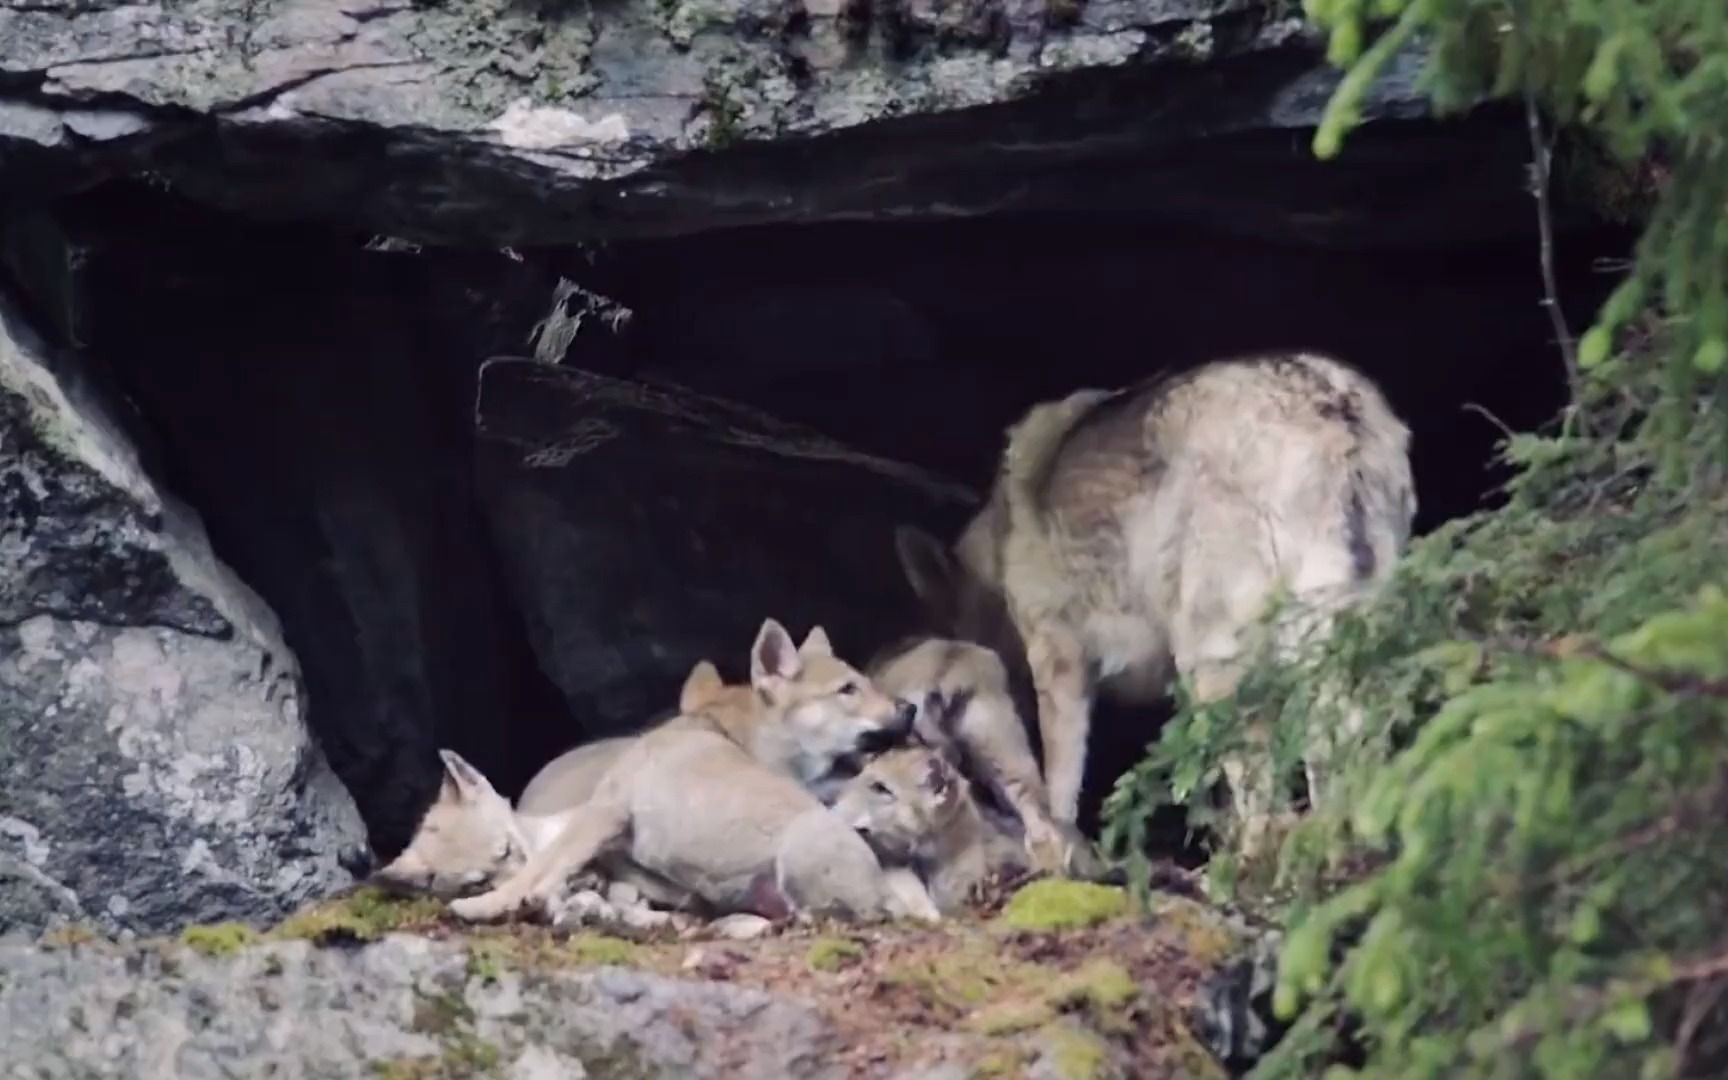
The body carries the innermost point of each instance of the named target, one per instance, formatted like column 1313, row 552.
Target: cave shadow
column 314, row 399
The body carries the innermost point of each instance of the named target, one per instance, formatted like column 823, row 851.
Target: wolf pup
column 471, row 837
column 706, row 800
column 915, row 809
column 1133, row 531
column 967, row 713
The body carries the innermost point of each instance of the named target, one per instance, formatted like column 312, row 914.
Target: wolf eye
column 848, row 689
column 877, row 787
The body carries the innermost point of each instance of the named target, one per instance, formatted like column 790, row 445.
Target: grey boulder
column 403, row 1006
column 154, row 767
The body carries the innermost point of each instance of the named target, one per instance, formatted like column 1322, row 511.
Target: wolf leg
column 1248, row 771
column 1064, row 715
column 906, row 897
column 598, row 825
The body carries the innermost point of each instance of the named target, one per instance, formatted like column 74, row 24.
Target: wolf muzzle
column 892, row 734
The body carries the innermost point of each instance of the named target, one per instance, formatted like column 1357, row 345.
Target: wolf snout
column 904, row 713
column 892, row 733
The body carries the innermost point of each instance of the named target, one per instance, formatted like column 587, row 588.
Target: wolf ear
column 462, row 781
column 816, row 643
column 931, row 571
column 773, row 655
column 700, row 686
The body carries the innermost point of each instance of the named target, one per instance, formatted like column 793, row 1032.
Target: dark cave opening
column 315, row 399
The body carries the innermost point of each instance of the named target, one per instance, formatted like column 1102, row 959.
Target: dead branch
column 1542, row 156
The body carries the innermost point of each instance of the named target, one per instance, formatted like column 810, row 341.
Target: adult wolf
column 1140, row 530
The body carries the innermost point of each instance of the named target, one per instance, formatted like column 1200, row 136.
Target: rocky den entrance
column 290, row 497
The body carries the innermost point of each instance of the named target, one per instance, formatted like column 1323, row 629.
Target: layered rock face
column 155, row 768
column 645, row 528
column 490, row 122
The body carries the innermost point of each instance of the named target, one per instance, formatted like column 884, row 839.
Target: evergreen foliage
column 1521, row 869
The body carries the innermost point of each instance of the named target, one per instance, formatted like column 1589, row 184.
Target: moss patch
column 219, row 939
column 1073, row 1053
column 1059, row 904
column 1011, row 1017
column 1203, row 934
column 1099, row 984
column 364, row 915
column 956, row 983
column 599, row 950
column 832, row 953
column 999, row 1063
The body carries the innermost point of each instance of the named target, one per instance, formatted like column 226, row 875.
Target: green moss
column 1074, row 1054
column 219, row 939
column 832, row 953
column 1001, row 1063
column 602, row 950
column 1202, row 934
column 469, row 1055
column 959, row 982
column 366, row 914
column 723, row 109
column 1099, row 984
column 1061, row 904
column 486, row 959
column 464, row 1057
column 1011, row 1017
column 449, row 1019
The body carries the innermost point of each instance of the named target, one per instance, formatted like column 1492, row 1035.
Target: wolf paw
column 1062, row 850
column 487, row 907
column 1047, row 847
column 1081, row 859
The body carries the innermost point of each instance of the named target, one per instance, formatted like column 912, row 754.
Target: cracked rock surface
column 154, row 769
column 513, row 123
column 403, row 1006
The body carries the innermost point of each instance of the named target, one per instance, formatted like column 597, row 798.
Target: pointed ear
column 816, row 643
column 462, row 781
column 700, row 687
column 773, row 657
column 931, row 571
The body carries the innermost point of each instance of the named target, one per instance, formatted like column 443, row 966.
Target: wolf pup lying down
column 709, row 800
column 966, row 712
column 916, row 810
column 1135, row 531
column 470, row 837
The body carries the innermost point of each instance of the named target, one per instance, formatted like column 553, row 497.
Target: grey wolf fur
column 967, row 713
column 712, row 799
column 1136, row 531
column 916, row 809
column 471, row 837
column 467, row 838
